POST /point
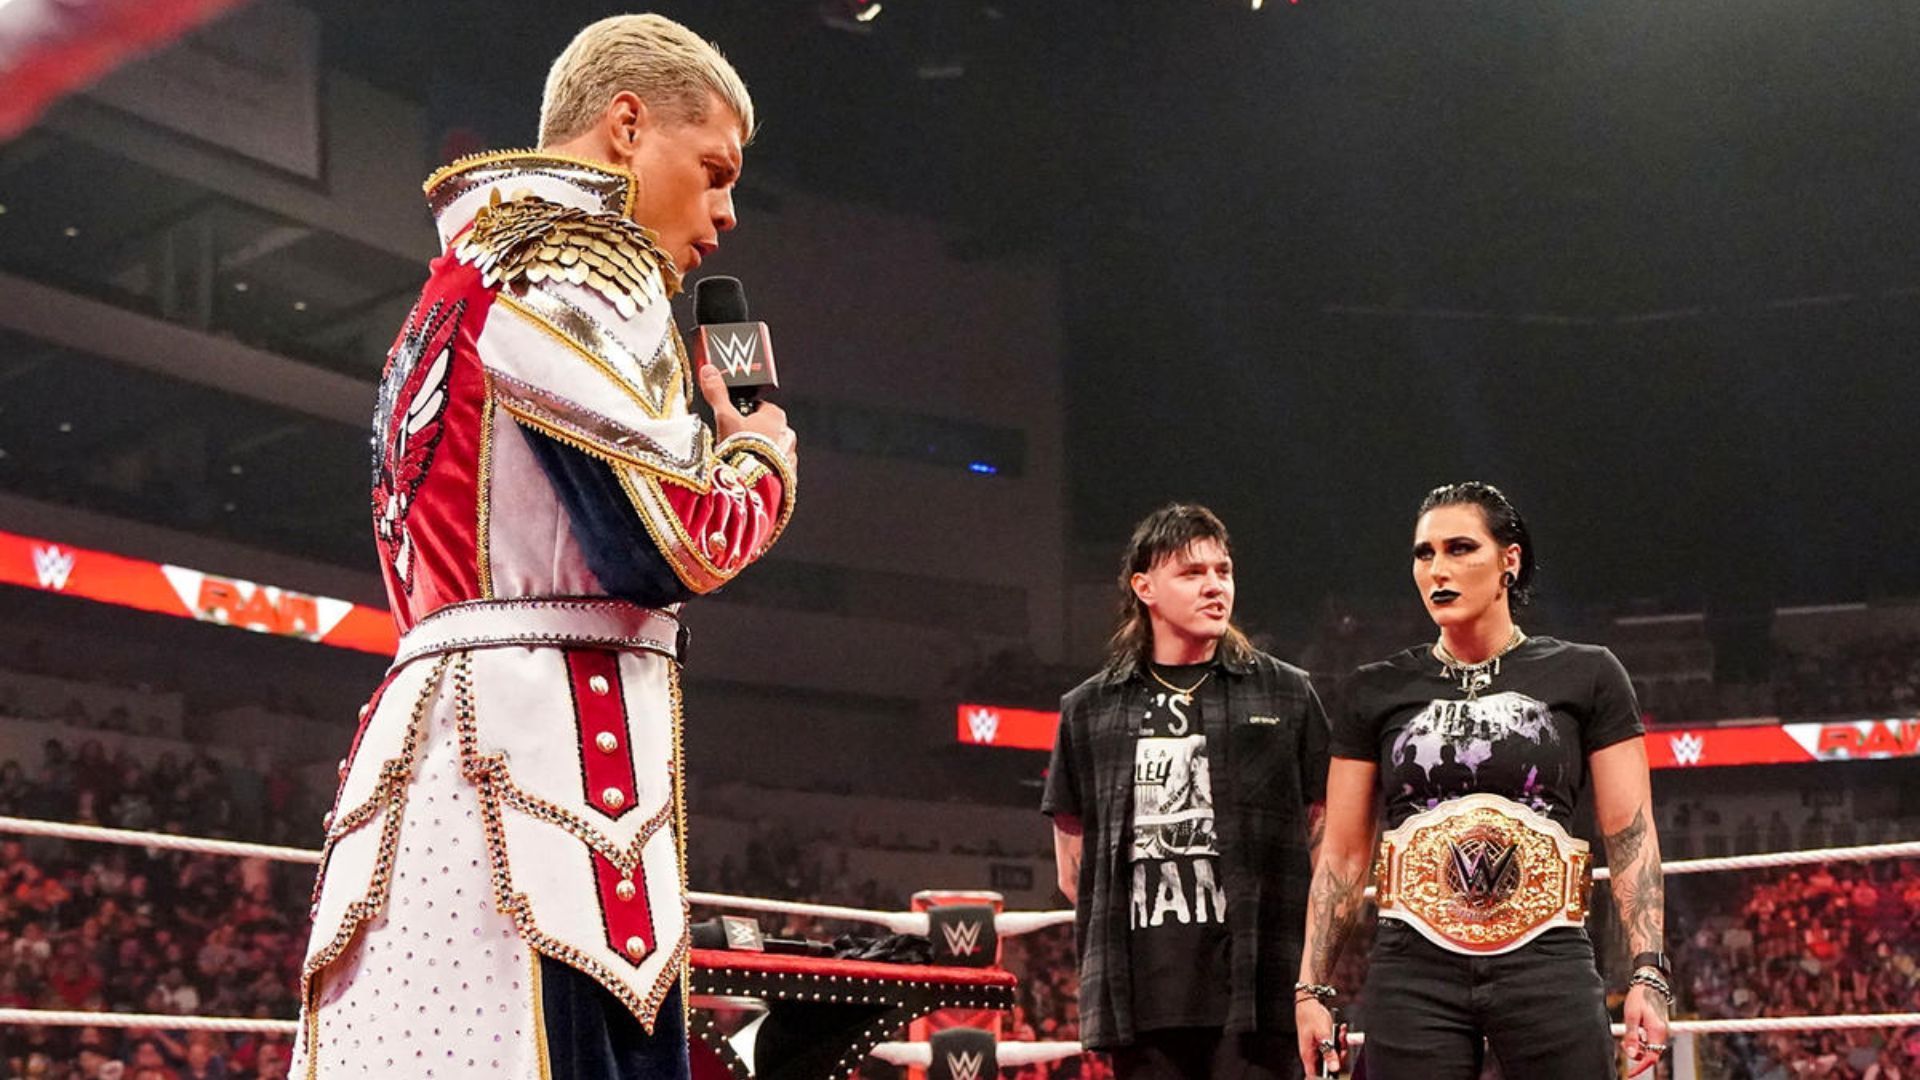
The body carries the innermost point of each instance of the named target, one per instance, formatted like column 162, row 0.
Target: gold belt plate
column 1480, row 877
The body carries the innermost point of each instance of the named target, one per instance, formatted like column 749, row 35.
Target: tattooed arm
column 1623, row 800
column 1337, row 898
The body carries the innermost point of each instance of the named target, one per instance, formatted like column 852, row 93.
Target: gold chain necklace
column 1474, row 678
column 1187, row 690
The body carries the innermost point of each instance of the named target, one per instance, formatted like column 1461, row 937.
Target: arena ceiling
column 1653, row 267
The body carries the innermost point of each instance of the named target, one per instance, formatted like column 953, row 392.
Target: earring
column 1508, row 579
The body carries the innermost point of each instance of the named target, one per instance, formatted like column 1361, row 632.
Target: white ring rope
column 98, row 834
column 68, row 1018
column 1009, row 923
column 1010, row 1053
column 1014, row 1054
column 1906, row 849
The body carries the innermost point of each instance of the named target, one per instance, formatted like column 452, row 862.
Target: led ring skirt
column 829, row 1014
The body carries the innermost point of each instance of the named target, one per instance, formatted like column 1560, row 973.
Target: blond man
column 501, row 891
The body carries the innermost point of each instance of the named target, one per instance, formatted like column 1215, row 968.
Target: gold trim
column 485, row 523
column 534, row 157
column 539, row 1016
column 776, row 461
column 311, row 1013
column 488, row 772
column 396, row 775
column 553, row 429
column 559, row 333
column 669, row 534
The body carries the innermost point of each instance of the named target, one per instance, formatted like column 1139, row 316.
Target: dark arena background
column 1036, row 267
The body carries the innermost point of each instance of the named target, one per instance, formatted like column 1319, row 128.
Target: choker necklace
column 1185, row 690
column 1474, row 678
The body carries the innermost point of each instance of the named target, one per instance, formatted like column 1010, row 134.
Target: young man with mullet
column 500, row 891
column 1185, row 793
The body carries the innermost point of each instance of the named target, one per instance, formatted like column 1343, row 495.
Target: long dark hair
column 1167, row 531
column 1503, row 521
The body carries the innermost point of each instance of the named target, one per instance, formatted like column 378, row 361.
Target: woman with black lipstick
column 1481, row 743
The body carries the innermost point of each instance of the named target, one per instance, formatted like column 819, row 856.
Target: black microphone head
column 719, row 299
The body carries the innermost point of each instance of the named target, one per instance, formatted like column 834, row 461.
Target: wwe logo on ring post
column 1688, row 748
column 962, row 938
column 52, row 566
column 966, row 1066
column 984, row 723
column 735, row 352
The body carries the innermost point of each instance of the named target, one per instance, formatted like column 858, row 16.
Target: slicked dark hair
column 1162, row 534
column 1503, row 521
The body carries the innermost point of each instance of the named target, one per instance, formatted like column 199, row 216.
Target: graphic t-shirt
column 1526, row 736
column 1178, row 913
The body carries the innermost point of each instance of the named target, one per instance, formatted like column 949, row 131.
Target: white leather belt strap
column 598, row 622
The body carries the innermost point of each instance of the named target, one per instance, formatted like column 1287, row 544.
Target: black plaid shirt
column 1268, row 764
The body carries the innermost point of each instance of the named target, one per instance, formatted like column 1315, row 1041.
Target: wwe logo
column 735, row 352
column 1688, row 748
column 984, row 723
column 962, row 940
column 740, row 935
column 53, row 567
column 966, row 1066
column 1480, row 869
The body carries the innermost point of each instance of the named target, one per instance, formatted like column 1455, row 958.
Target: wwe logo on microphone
column 735, row 353
column 1688, row 748
column 52, row 566
column 984, row 723
column 966, row 1066
column 962, row 938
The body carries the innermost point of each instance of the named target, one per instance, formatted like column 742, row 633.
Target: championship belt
column 1482, row 875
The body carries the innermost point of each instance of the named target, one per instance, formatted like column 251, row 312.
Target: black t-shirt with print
column 1526, row 736
column 1178, row 912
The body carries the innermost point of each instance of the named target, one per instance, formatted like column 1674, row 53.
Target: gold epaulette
column 533, row 240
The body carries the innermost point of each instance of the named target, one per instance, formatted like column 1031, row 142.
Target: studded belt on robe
column 1482, row 875
column 601, row 622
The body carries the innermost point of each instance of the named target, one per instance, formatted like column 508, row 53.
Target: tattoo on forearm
column 1316, row 831
column 1639, row 887
column 1333, row 908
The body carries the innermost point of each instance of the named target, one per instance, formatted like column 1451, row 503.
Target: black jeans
column 1427, row 1010
column 1207, row 1054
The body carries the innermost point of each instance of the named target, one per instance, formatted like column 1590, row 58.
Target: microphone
column 726, row 339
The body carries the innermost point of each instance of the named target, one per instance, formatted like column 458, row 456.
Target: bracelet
column 1319, row 991
column 1650, row 978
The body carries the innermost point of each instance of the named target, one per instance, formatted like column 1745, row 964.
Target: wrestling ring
column 855, row 1005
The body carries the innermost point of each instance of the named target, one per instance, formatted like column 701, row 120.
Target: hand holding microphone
column 734, row 359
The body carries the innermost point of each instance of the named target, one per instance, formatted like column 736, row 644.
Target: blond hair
column 666, row 64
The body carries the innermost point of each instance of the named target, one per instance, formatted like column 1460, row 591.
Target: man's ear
column 626, row 122
column 1142, row 588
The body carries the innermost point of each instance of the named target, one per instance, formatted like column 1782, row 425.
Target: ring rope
column 62, row 830
column 71, row 1018
column 1905, row 849
column 1014, row 1054
column 1016, row 922
column 905, row 1053
column 1009, row 923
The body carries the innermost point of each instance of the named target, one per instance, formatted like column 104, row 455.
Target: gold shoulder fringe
column 533, row 240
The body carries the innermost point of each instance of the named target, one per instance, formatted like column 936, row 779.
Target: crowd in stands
column 1871, row 677
column 1821, row 940
column 126, row 929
